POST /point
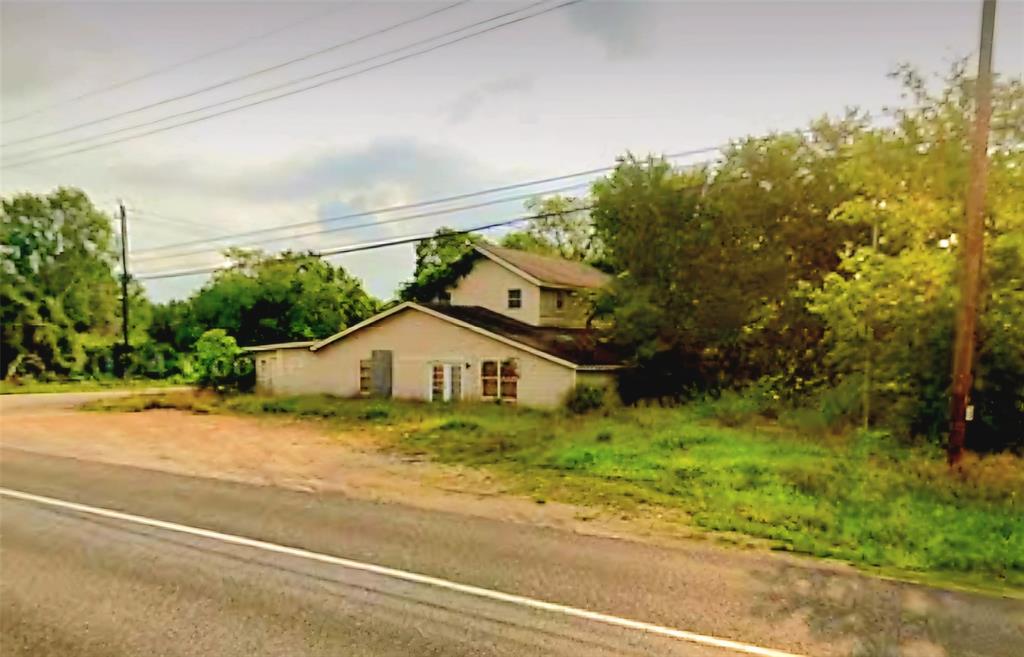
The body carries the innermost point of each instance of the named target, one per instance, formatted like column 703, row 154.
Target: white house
column 514, row 329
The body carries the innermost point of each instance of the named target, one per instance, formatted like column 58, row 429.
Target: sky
column 564, row 91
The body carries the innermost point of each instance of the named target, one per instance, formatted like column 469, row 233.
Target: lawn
column 860, row 498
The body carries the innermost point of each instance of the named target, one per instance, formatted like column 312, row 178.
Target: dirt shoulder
column 298, row 454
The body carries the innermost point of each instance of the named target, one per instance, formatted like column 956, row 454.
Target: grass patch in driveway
column 862, row 498
column 85, row 385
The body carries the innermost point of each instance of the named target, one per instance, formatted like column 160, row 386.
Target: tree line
column 814, row 268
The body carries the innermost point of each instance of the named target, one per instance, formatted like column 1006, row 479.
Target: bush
column 735, row 407
column 457, row 424
column 375, row 413
column 585, row 398
column 219, row 362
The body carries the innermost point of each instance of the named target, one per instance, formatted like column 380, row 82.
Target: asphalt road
column 73, row 583
column 21, row 404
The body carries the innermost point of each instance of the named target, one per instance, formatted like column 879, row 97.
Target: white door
column 445, row 382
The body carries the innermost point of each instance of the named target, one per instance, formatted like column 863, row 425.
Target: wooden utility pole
column 974, row 243
column 122, row 361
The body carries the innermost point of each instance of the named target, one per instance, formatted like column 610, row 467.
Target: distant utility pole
column 974, row 232
column 122, row 361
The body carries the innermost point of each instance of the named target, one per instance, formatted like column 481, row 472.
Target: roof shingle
column 576, row 345
column 549, row 270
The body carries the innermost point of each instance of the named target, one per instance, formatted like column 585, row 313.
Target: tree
column 264, row 299
column 439, row 260
column 563, row 228
column 708, row 257
column 764, row 264
column 893, row 305
column 58, row 294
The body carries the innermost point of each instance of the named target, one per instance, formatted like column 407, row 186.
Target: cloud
column 383, row 172
column 465, row 106
column 30, row 66
column 625, row 28
column 323, row 186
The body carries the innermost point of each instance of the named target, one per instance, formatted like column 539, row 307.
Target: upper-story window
column 515, row 298
column 559, row 299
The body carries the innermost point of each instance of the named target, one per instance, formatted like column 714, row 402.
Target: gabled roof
column 577, row 348
column 546, row 271
column 580, row 346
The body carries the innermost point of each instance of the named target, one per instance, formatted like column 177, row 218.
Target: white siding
column 487, row 285
column 417, row 340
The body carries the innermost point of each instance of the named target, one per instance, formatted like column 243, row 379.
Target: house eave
column 451, row 320
column 281, row 345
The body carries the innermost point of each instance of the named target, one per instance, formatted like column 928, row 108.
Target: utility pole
column 122, row 361
column 974, row 244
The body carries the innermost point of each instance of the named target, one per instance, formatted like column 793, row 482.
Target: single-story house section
column 507, row 326
column 439, row 352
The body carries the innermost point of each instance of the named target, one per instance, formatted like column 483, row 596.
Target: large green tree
column 59, row 293
column 438, row 260
column 265, row 299
column 766, row 264
column 563, row 228
column 709, row 257
column 890, row 307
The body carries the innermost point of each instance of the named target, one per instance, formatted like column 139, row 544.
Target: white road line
column 407, row 576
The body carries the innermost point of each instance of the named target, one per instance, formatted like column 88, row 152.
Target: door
column 445, row 381
column 380, row 373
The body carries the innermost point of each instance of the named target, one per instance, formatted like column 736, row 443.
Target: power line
column 177, row 222
column 370, row 224
column 259, row 92
column 237, row 78
column 367, row 246
column 176, row 65
column 436, row 201
column 374, row 67
column 352, row 248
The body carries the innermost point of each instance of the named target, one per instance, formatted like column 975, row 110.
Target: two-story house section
column 513, row 328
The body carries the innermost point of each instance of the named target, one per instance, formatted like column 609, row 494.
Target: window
column 489, row 378
column 515, row 298
column 499, row 379
column 559, row 299
column 364, row 377
column 437, row 383
column 509, row 379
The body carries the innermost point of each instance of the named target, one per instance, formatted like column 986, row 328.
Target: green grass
column 860, row 498
column 85, row 385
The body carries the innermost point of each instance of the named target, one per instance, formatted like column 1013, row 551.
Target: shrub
column 735, row 407
column 806, row 421
column 219, row 362
column 375, row 413
column 585, row 398
column 459, row 425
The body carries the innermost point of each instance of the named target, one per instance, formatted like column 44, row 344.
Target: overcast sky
column 565, row 91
